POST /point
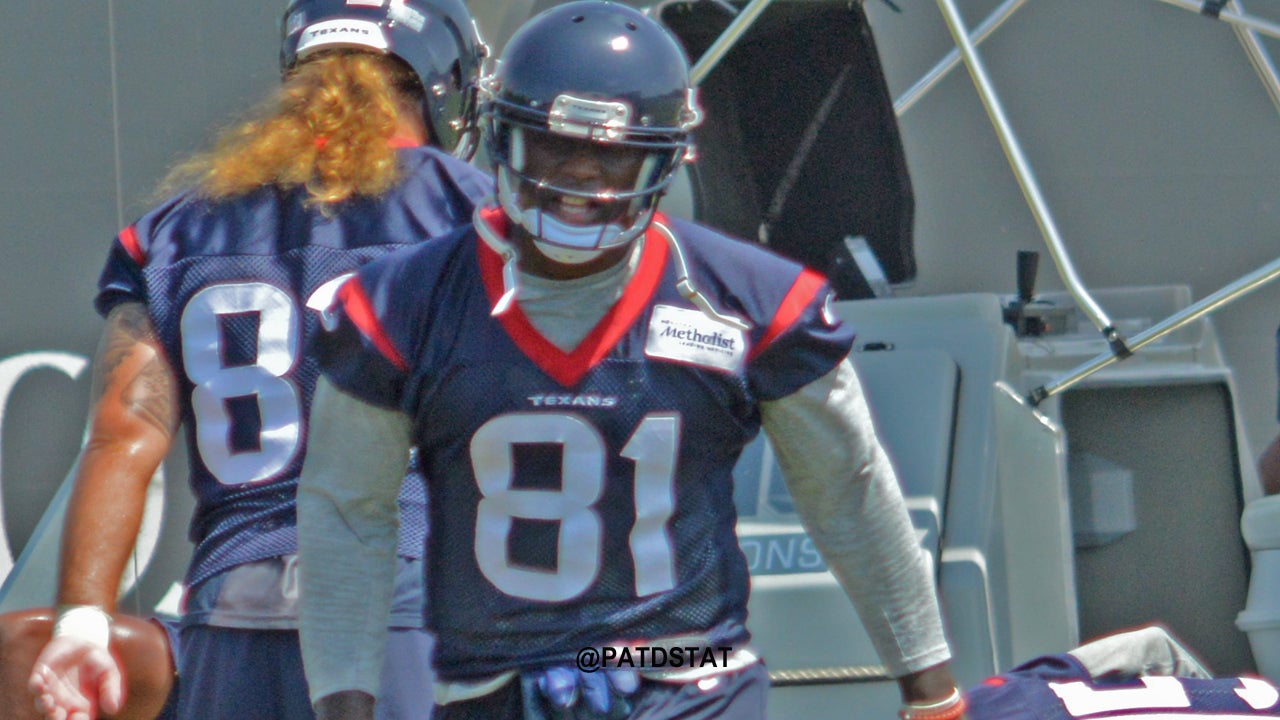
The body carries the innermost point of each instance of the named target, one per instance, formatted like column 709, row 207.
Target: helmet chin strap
column 565, row 243
column 510, row 265
column 684, row 285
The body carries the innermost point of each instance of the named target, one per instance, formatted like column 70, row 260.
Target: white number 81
column 652, row 447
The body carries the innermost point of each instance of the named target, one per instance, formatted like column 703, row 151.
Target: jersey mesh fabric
column 226, row 287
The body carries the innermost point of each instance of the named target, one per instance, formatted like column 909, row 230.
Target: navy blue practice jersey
column 583, row 497
column 1057, row 687
column 226, row 286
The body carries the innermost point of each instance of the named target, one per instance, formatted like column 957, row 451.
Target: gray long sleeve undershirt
column 843, row 484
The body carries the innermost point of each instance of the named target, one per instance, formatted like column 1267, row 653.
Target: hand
column 603, row 694
column 75, row 679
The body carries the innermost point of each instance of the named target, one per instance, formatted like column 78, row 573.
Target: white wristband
column 952, row 707
column 86, row 622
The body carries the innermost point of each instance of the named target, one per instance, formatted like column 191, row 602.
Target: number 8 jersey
column 227, row 293
column 581, row 497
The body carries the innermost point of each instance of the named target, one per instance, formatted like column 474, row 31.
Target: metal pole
column 721, row 46
column 1026, row 179
column 948, row 63
column 1232, row 17
column 1244, row 285
column 1259, row 56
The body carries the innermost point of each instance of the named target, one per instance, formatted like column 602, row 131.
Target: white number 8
column 204, row 354
column 579, row 551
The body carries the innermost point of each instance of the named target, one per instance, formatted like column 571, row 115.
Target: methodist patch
column 690, row 336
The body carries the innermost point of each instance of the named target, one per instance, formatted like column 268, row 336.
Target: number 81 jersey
column 580, row 497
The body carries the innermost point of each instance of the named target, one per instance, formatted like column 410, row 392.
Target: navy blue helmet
column 597, row 71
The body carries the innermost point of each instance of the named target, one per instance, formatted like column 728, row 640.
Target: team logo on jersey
column 584, row 400
column 690, row 336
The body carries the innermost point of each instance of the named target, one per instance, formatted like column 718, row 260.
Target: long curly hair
column 327, row 128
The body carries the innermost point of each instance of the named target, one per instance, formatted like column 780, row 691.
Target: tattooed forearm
column 131, row 370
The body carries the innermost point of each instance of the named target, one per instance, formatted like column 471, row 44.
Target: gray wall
column 99, row 98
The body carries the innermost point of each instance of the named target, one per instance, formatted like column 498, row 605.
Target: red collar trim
column 569, row 368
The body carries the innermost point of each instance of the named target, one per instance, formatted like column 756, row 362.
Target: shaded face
column 583, row 166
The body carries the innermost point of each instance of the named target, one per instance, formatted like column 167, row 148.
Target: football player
column 579, row 374
column 1143, row 673
column 206, row 300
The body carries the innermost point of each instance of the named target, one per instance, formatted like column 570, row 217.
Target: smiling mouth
column 577, row 210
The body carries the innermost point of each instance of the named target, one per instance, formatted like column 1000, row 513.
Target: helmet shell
column 599, row 72
column 601, row 52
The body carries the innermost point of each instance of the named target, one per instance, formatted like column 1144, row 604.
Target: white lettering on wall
column 12, row 371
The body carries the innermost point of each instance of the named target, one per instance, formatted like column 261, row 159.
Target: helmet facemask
column 574, row 123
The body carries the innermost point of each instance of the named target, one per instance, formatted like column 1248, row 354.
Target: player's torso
column 228, row 293
column 592, row 508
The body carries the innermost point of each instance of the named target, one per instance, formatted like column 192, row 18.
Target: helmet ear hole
column 455, row 75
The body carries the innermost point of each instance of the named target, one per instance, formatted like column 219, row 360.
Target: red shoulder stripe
column 359, row 308
column 802, row 292
column 129, row 240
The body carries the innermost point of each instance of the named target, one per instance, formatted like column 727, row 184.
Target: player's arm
column 347, row 526
column 848, row 497
column 132, row 421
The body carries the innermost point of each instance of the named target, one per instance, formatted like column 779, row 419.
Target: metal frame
column 1247, row 29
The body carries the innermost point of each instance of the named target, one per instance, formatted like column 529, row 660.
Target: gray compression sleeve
column 347, row 525
column 847, row 495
